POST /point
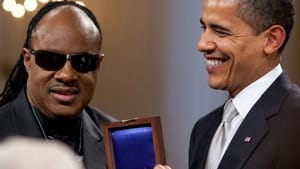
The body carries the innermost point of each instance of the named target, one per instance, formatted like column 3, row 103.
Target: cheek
column 37, row 86
column 38, row 78
column 88, row 82
column 234, row 64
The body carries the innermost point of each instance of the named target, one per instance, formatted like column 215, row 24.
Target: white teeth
column 213, row 62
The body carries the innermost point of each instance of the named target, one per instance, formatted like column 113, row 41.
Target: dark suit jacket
column 16, row 119
column 273, row 125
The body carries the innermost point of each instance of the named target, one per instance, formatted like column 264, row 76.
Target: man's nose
column 206, row 42
column 67, row 73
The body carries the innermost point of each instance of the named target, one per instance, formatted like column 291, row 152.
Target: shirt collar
column 243, row 102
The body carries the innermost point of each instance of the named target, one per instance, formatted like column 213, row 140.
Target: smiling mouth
column 65, row 95
column 214, row 62
column 65, row 91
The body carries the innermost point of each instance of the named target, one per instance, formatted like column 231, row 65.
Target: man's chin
column 215, row 86
column 63, row 111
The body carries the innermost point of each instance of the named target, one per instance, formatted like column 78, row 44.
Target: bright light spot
column 8, row 5
column 30, row 5
column 80, row 3
column 18, row 11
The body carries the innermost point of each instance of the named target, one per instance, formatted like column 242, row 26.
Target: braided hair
column 18, row 77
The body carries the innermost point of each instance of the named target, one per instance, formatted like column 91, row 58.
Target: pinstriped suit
column 273, row 125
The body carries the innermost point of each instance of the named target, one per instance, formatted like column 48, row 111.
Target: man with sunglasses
column 50, row 87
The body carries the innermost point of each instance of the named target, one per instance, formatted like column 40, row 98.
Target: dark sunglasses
column 53, row 61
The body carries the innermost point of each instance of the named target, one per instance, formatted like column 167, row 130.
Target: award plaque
column 134, row 144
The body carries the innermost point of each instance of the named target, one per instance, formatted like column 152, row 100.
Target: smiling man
column 48, row 92
column 236, row 53
column 259, row 125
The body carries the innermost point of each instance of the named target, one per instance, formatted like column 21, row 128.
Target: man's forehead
column 220, row 3
column 66, row 16
column 64, row 27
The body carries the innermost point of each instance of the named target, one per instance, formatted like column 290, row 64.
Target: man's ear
column 26, row 58
column 275, row 37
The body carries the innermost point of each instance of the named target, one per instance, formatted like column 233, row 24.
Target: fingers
column 159, row 166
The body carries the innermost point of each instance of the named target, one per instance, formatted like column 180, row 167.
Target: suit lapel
column 240, row 148
column 255, row 126
column 205, row 132
column 94, row 151
column 22, row 118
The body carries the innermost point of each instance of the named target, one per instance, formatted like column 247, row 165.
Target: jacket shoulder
column 99, row 116
column 6, row 121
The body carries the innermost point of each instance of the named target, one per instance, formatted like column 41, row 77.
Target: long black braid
column 18, row 77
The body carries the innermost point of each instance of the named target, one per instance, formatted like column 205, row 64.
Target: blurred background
column 151, row 65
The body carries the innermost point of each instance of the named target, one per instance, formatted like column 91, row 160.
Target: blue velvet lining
column 133, row 148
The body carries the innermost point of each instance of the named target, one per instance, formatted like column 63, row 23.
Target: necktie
column 219, row 139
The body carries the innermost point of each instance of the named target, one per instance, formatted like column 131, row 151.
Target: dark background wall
column 151, row 65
